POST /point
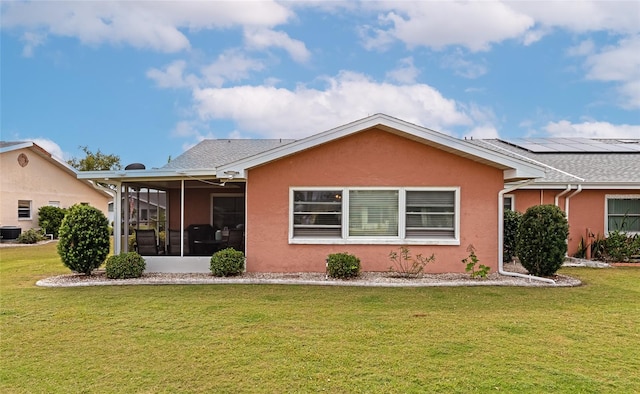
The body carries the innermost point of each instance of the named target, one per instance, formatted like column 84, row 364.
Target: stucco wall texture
column 40, row 181
column 370, row 158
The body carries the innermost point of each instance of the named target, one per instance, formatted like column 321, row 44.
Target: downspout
column 566, row 200
column 501, row 270
column 562, row 193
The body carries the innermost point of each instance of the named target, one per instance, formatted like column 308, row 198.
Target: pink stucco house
column 366, row 188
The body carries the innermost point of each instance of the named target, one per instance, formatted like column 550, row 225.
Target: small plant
column 406, row 266
column 343, row 265
column 31, row 236
column 84, row 239
column 227, row 262
column 125, row 266
column 471, row 262
column 542, row 235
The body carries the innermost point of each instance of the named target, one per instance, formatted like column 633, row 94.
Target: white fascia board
column 520, row 168
column 27, row 144
column 585, row 185
column 140, row 175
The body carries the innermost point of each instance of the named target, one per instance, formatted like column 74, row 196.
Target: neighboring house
column 146, row 207
column 32, row 178
column 366, row 188
column 595, row 181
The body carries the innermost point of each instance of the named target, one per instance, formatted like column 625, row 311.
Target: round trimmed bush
column 84, row 239
column 541, row 244
column 125, row 266
column 511, row 223
column 227, row 262
column 343, row 265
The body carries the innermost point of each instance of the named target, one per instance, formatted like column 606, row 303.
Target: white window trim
column 512, row 197
column 30, row 211
column 397, row 240
column 608, row 197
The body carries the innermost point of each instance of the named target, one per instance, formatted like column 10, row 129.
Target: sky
column 147, row 80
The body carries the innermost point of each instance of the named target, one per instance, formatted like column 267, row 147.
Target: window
column 623, row 213
column 430, row 214
column 509, row 202
column 317, row 213
column 24, row 209
column 228, row 210
column 54, row 204
column 375, row 215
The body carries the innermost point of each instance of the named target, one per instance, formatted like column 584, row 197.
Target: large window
column 24, row 209
column 375, row 215
column 623, row 213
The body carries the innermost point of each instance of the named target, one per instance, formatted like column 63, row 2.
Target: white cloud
column 618, row 16
column 51, row 147
column 619, row 64
column 172, row 76
column 565, row 128
column 586, row 47
column 278, row 112
column 231, row 65
column 266, row 38
column 405, row 73
column 31, row 41
column 474, row 25
column 141, row 24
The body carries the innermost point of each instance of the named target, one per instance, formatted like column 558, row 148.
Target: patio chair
column 199, row 234
column 174, row 242
column 146, row 242
column 236, row 239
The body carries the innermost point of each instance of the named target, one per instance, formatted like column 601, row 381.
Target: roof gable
column 514, row 168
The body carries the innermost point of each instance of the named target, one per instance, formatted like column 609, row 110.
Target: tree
column 97, row 161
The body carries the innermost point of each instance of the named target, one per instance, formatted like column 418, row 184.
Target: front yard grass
column 272, row 339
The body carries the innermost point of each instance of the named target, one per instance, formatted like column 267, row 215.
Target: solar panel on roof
column 574, row 145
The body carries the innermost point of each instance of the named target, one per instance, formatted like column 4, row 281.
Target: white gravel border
column 366, row 279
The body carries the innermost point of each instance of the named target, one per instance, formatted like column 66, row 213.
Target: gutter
column 566, row 200
column 501, row 270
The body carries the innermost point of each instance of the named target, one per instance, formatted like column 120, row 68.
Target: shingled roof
column 215, row 152
column 578, row 167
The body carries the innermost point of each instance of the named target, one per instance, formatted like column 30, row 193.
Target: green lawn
column 273, row 339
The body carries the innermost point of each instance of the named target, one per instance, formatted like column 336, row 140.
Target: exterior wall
column 198, row 201
column 40, row 181
column 586, row 209
column 369, row 158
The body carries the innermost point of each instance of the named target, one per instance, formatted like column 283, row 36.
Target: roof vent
column 135, row 166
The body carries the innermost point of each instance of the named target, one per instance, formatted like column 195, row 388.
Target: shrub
column 125, row 266
column 30, row 237
column 512, row 220
column 343, row 265
column 84, row 239
column 621, row 247
column 541, row 243
column 406, row 266
column 227, row 262
column 50, row 219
